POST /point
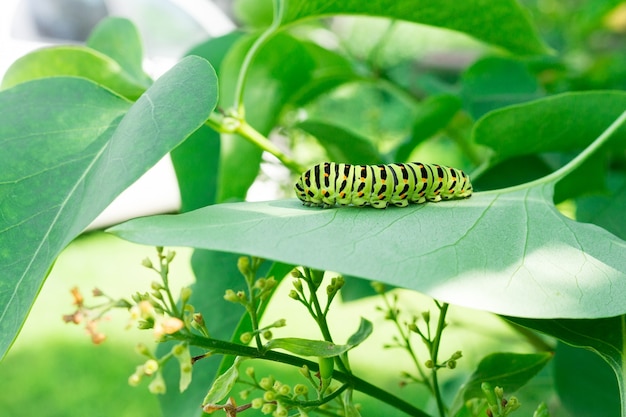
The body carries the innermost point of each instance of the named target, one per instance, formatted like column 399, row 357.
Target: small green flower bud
column 134, row 379
column 150, row 367
column 266, row 383
column 284, row 390
column 270, row 283
column 156, row 286
column 241, row 296
column 260, row 283
column 159, row 249
column 451, row 364
column 180, row 349
column 170, row 256
column 157, row 295
column 379, row 287
column 331, row 289
column 293, row 294
column 296, row 273
column 297, row 284
column 489, row 394
column 429, row 364
column 244, row 394
column 267, row 335
column 245, row 338
column 250, row 372
column 280, row 323
column 499, row 391
column 231, row 296
column 257, row 403
column 277, row 385
column 269, row 396
column 268, row 408
column 281, row 411
column 243, row 264
column 157, row 386
column 513, row 404
column 185, row 294
column 300, row 389
column 142, row 349
column 456, row 355
column 147, row 263
column 426, row 316
column 413, row 328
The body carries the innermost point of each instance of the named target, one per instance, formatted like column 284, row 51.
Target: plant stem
column 358, row 384
column 320, row 318
column 434, row 352
column 254, row 49
column 251, row 134
column 407, row 344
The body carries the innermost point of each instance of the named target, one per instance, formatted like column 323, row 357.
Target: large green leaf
column 586, row 385
column 76, row 61
column 495, row 82
column 499, row 22
column 566, row 122
column 113, row 57
column 604, row 336
column 510, row 252
column 69, row 148
column 119, row 39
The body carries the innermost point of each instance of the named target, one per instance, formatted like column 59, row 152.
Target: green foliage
column 78, row 124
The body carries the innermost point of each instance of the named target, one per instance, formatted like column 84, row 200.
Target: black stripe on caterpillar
column 330, row 183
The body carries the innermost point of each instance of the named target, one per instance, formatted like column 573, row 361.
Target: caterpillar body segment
column 329, row 183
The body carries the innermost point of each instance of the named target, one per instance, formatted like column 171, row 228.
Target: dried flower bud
column 77, row 296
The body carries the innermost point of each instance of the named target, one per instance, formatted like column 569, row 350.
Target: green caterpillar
column 330, row 183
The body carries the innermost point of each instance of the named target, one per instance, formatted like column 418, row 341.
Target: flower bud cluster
column 497, row 404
